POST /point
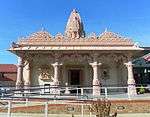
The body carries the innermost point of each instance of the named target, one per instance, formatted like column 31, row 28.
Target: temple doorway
column 74, row 77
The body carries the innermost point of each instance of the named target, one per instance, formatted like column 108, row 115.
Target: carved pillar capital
column 94, row 56
column 56, row 64
column 129, row 64
column 95, row 64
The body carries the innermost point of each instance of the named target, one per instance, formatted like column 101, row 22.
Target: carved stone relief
column 76, row 58
column 115, row 57
column 46, row 72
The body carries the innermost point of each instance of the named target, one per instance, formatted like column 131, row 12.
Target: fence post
column 90, row 112
column 77, row 92
column 82, row 110
column 27, row 101
column 9, row 109
column 129, row 96
column 81, row 91
column 46, row 109
column 106, row 93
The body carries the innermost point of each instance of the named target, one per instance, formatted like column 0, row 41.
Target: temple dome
column 74, row 27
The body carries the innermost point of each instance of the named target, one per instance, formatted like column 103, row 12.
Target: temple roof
column 74, row 36
column 105, row 39
column 110, row 35
column 40, row 35
column 8, row 68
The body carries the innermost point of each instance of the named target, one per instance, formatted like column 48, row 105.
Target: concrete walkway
column 69, row 115
column 134, row 115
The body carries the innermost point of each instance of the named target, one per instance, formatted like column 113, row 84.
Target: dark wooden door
column 74, row 77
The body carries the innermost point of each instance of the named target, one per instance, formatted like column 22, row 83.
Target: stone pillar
column 56, row 72
column 19, row 80
column 131, row 81
column 96, row 82
column 56, row 90
column 27, row 77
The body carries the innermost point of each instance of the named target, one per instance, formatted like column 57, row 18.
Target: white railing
column 83, row 93
column 7, row 107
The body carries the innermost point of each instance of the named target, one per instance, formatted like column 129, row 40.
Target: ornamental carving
column 59, row 36
column 74, row 27
column 116, row 57
column 45, row 72
column 92, row 36
column 75, row 57
column 105, row 72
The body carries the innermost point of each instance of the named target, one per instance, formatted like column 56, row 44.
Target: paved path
column 134, row 115
column 69, row 115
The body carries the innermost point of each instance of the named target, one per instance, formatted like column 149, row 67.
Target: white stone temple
column 76, row 59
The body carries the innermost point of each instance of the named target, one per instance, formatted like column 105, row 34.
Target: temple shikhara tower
column 76, row 59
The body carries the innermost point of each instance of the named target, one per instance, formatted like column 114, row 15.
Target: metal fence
column 44, row 109
column 75, row 93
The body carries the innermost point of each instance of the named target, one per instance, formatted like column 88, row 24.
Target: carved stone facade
column 46, row 72
column 76, row 59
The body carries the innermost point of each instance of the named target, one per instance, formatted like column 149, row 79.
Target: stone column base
column 132, row 89
column 96, row 91
column 96, row 87
column 18, row 92
column 26, row 89
column 54, row 89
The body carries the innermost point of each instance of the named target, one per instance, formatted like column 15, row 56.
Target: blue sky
column 130, row 18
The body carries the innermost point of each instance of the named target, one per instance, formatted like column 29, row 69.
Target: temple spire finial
column 74, row 10
column 42, row 28
column 74, row 27
column 106, row 30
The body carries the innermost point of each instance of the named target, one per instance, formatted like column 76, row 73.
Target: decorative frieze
column 59, row 36
column 76, row 57
column 92, row 36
